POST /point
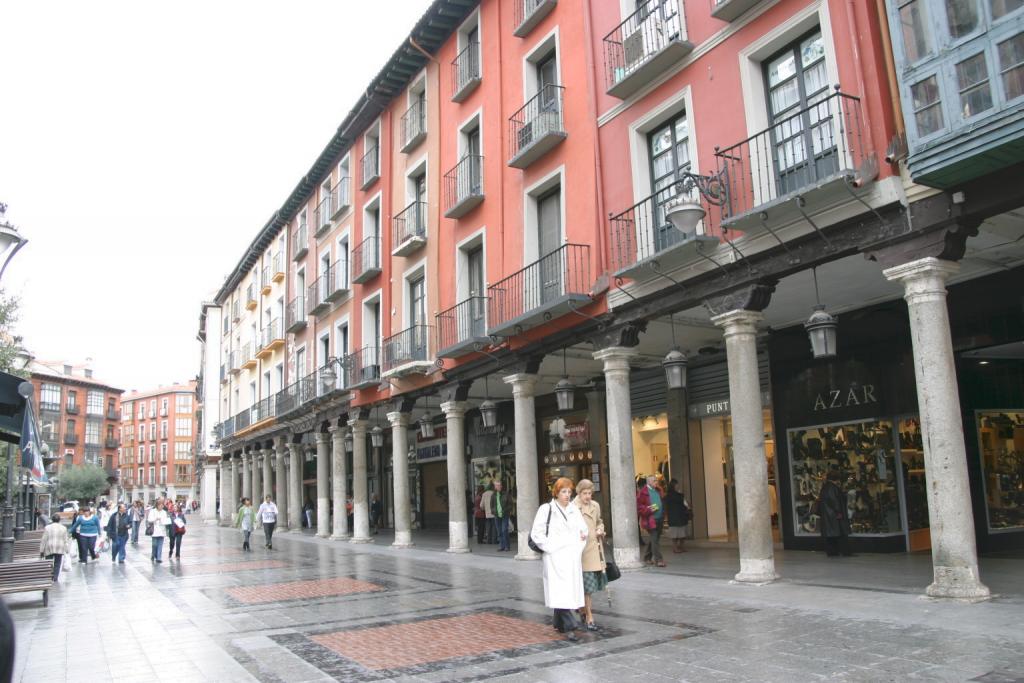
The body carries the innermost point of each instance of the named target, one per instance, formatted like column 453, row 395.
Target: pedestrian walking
column 246, row 521
column 678, row 511
column 835, row 520
column 501, row 510
column 561, row 533
column 41, row 520
column 103, row 511
column 156, row 526
column 137, row 516
column 267, row 515
column 376, row 513
column 485, row 503
column 177, row 532
column 54, row 544
column 118, row 529
column 650, row 510
column 170, row 508
column 87, row 526
column 479, row 518
column 594, row 578
column 307, row 513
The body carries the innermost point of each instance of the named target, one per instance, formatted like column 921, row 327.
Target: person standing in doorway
column 485, row 503
column 835, row 520
column 678, row 512
column 267, row 515
column 87, row 526
column 157, row 522
column 54, row 544
column 246, row 521
column 118, row 527
column 650, row 510
column 177, row 533
column 501, row 510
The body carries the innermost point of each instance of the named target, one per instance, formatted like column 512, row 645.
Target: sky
column 144, row 144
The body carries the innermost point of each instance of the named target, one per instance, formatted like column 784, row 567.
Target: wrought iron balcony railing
column 409, row 348
column 243, row 420
column 466, row 71
column 342, row 194
column 537, row 127
column 272, row 336
column 463, row 186
column 414, row 126
column 363, row 367
column 113, row 414
column 70, row 439
column 648, row 42
column 544, row 289
column 300, row 242
column 70, row 409
column 265, row 281
column 461, row 327
column 250, row 296
column 335, row 280
column 265, row 409
column 316, row 297
column 409, row 229
column 528, row 13
column 730, row 10
column 810, row 153
column 111, row 442
column 370, row 167
column 234, row 361
column 295, row 314
column 366, row 260
column 248, row 355
column 322, row 214
column 277, row 267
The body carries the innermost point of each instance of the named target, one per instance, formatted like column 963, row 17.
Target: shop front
column 428, row 480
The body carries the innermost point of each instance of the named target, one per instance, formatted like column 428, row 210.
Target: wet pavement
column 320, row 610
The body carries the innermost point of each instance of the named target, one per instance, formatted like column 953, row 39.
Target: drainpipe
column 501, row 146
column 890, row 66
column 854, row 33
column 588, row 20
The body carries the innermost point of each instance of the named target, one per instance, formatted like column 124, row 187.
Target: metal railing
column 363, row 366
column 466, row 67
column 408, row 346
column 524, row 10
column 235, row 311
column 316, row 295
column 246, row 353
column 111, row 442
column 265, row 277
column 300, row 242
column 818, row 142
column 265, row 409
column 370, row 166
column 410, row 222
column 70, row 439
column 565, row 270
column 465, row 180
column 414, row 123
column 250, row 294
column 113, row 415
column 243, row 419
column 70, row 409
column 233, row 360
column 295, row 312
column 272, row 332
column 277, row 264
column 335, row 278
column 540, row 116
column 642, row 35
column 462, row 322
column 365, row 257
column 342, row 193
column 323, row 212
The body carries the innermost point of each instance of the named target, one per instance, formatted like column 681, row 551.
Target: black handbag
column 529, row 538
column 149, row 528
column 611, row 570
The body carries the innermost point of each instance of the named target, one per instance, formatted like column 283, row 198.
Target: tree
column 82, row 482
column 10, row 345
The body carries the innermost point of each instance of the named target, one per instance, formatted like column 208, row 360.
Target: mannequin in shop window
column 835, row 521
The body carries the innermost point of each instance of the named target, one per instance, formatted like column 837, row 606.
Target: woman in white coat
column 560, row 531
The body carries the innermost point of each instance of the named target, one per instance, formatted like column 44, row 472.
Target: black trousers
column 837, row 545
column 566, row 620
column 56, row 565
column 481, row 528
column 268, row 531
column 175, row 545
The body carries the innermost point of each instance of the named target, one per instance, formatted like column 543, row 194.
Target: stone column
column 458, row 531
column 621, row 481
column 209, row 488
column 753, row 509
column 360, row 507
column 281, row 480
column 339, row 484
column 954, row 553
column 234, row 492
column 527, row 501
column 400, row 478
column 224, row 491
column 256, row 472
column 323, row 484
column 268, row 473
column 246, row 475
column 295, row 487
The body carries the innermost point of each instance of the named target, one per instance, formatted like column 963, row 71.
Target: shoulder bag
column 529, row 537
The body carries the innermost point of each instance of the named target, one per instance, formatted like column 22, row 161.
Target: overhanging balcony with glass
column 370, row 167
column 466, row 71
column 271, row 339
column 277, row 268
column 342, row 197
column 408, row 352
column 248, row 356
column 529, row 13
column 300, row 242
column 462, row 328
column 295, row 314
column 537, row 127
column 463, row 186
column 644, row 46
column 731, row 10
column 265, row 281
column 363, row 368
column 798, row 165
column 366, row 260
column 322, row 214
column 250, row 297
column 644, row 241
column 409, row 229
column 414, row 126
column 545, row 289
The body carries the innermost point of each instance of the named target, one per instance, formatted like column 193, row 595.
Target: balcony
column 335, row 280
column 250, row 297
column 223, row 372
column 462, row 328
column 528, row 13
column 300, row 242
column 248, row 356
column 70, row 409
column 295, row 314
column 414, row 126
column 642, row 238
column 266, row 281
column 809, row 155
column 731, row 10
column 322, row 215
column 409, row 229
column 463, row 186
column 234, row 362
column 537, row 127
column 466, row 72
column 316, row 296
column 111, row 442
column 408, row 352
column 342, row 194
column 363, row 368
column 271, row 339
column 264, row 410
column 49, row 407
column 644, row 46
column 543, row 290
column 70, row 439
column 235, row 315
column 370, row 167
column 366, row 260
column 277, row 268
column 243, row 420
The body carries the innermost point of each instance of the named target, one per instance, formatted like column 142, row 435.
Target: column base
column 360, row 539
column 958, row 583
column 323, row 535
column 403, row 539
column 458, row 549
column 756, row 572
column 627, row 558
column 340, row 537
column 527, row 555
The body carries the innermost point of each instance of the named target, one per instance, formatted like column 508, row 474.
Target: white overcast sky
column 143, row 145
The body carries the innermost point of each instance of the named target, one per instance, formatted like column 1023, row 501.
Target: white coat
column 563, row 554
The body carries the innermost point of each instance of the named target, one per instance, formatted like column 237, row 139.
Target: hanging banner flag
column 31, row 448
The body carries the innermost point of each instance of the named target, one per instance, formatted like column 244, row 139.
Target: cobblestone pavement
column 319, row 610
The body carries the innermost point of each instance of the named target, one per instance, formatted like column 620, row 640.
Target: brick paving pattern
column 434, row 640
column 298, row 590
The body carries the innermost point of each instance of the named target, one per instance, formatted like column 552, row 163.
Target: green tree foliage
column 10, row 344
column 82, row 482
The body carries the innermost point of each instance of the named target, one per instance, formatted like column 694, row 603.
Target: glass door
column 668, row 148
column 549, row 228
column 915, row 490
column 417, row 320
column 478, row 304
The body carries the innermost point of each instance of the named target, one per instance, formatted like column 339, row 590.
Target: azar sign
column 853, row 395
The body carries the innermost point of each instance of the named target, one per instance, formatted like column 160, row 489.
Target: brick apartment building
column 157, row 453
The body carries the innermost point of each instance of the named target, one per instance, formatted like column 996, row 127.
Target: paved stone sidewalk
column 317, row 610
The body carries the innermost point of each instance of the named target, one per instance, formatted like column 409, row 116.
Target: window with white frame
column 142, row 431
column 163, row 406
column 183, row 426
column 92, row 432
column 183, row 403
column 49, row 396
column 182, row 450
column 152, row 452
column 163, row 452
column 94, row 403
column 163, row 429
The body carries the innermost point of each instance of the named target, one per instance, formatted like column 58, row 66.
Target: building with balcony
column 157, row 458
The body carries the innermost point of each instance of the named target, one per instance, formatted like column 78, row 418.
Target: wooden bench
column 26, row 549
column 22, row 577
column 36, row 535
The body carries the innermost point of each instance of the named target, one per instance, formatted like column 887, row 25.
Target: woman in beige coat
column 54, row 544
column 594, row 578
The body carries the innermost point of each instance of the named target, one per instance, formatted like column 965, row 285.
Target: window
column 324, row 349
column 111, row 410
column 972, row 80
column 341, row 279
column 69, row 458
column 94, row 403
column 152, row 452
column 962, row 17
column 163, row 474
column 142, row 455
column 1011, row 64
column 917, row 31
column 142, row 410
column 49, row 397
column 300, row 362
column 110, row 432
column 72, row 399
column 142, row 432
column 152, row 408
column 668, row 148
column 69, row 428
column 152, row 430
column 549, row 233
column 181, row 474
column 163, row 406
column 417, row 301
column 182, row 450
column 152, row 476
column 927, row 107
column 92, row 432
column 183, row 426
column 163, row 452
column 1000, row 8
column 183, row 403
column 163, row 429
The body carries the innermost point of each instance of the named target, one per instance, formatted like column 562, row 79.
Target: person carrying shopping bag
column 156, row 527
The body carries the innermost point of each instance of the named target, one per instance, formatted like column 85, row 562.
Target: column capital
column 358, row 426
column 322, row 437
column 454, row 408
column 279, row 443
column 336, row 429
column 295, row 448
column 923, row 279
column 399, row 419
column 615, row 357
column 739, row 321
column 523, row 384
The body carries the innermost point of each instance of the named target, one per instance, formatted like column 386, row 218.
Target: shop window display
column 915, row 489
column 566, row 450
column 1001, row 443
column 865, row 456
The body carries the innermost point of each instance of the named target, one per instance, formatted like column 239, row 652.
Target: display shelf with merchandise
column 1001, row 443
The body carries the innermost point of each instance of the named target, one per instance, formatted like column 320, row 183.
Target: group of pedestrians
column 494, row 510
column 655, row 506
column 247, row 519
